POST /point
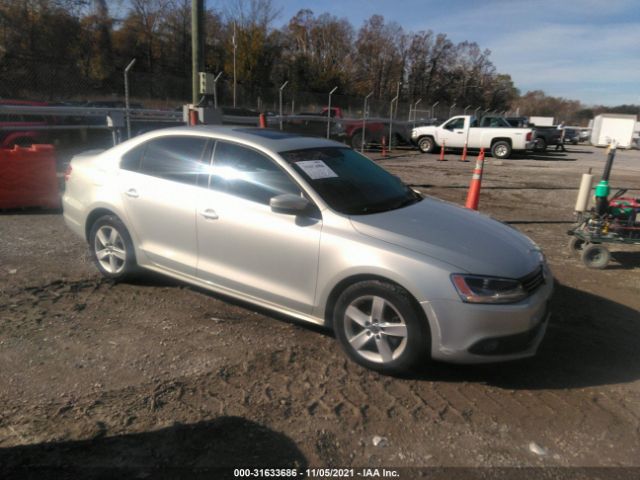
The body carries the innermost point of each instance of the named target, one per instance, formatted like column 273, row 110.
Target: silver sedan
column 312, row 229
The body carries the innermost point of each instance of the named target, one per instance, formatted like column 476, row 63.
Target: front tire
column 112, row 248
column 379, row 326
column 426, row 144
column 501, row 150
column 595, row 256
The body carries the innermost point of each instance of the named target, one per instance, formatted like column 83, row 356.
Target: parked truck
column 610, row 127
column 347, row 130
column 543, row 135
column 541, row 121
column 494, row 135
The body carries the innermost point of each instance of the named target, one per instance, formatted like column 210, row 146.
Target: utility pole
column 197, row 47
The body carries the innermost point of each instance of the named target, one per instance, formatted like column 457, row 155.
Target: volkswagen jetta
column 314, row 230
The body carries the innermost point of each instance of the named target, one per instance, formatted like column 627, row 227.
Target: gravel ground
column 157, row 376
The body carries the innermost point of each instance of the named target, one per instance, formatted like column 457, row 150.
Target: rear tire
column 539, row 145
column 575, row 244
column 112, row 248
column 379, row 326
column 501, row 150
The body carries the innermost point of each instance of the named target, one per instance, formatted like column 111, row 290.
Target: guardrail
column 78, row 118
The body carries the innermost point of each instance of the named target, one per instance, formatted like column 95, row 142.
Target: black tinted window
column 248, row 174
column 174, row 158
column 131, row 159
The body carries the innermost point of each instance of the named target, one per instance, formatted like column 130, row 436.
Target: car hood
column 472, row 242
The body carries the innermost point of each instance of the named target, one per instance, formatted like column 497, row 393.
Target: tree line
column 62, row 49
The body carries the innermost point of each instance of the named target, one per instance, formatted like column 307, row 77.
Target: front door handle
column 132, row 192
column 209, row 214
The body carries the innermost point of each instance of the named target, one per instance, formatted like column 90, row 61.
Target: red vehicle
column 374, row 130
column 23, row 137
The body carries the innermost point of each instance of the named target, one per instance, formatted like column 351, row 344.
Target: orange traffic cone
column 262, row 121
column 442, row 159
column 464, row 153
column 473, row 197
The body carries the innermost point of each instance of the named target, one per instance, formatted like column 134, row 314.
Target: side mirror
column 289, row 204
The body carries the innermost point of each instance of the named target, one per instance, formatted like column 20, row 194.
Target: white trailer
column 541, row 121
column 609, row 127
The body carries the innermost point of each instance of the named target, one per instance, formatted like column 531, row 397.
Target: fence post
column 215, row 90
column 280, row 98
column 126, row 96
column 433, row 109
column 364, row 120
column 329, row 112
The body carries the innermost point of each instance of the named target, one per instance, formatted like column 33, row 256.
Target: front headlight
column 479, row 289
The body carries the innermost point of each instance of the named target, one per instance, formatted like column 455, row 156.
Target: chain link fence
column 73, row 84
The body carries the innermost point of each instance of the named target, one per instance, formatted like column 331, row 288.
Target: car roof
column 273, row 140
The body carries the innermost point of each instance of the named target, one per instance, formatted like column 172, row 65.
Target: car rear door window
column 248, row 174
column 178, row 158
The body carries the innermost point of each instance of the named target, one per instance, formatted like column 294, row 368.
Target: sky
column 587, row 50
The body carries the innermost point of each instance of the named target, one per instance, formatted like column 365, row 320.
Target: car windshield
column 349, row 182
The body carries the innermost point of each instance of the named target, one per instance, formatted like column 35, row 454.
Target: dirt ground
column 159, row 378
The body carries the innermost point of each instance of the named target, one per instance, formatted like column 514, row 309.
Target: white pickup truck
column 491, row 133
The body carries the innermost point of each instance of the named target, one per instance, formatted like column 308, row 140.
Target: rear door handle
column 209, row 214
column 132, row 192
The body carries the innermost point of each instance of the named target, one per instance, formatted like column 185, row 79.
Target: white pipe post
column 329, row 111
column 466, row 108
column 280, row 95
column 364, row 121
column 126, row 95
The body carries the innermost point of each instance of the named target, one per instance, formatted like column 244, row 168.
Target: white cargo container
column 541, row 121
column 613, row 126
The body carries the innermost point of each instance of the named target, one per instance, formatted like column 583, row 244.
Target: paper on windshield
column 316, row 169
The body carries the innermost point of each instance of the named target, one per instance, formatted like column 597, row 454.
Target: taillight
column 67, row 173
column 529, row 135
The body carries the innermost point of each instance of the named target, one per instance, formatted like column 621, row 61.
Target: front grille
column 532, row 281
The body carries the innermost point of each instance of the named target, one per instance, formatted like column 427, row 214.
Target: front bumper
column 479, row 333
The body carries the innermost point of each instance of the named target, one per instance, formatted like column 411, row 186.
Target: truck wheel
column 595, row 256
column 501, row 149
column 539, row 145
column 426, row 144
column 356, row 140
